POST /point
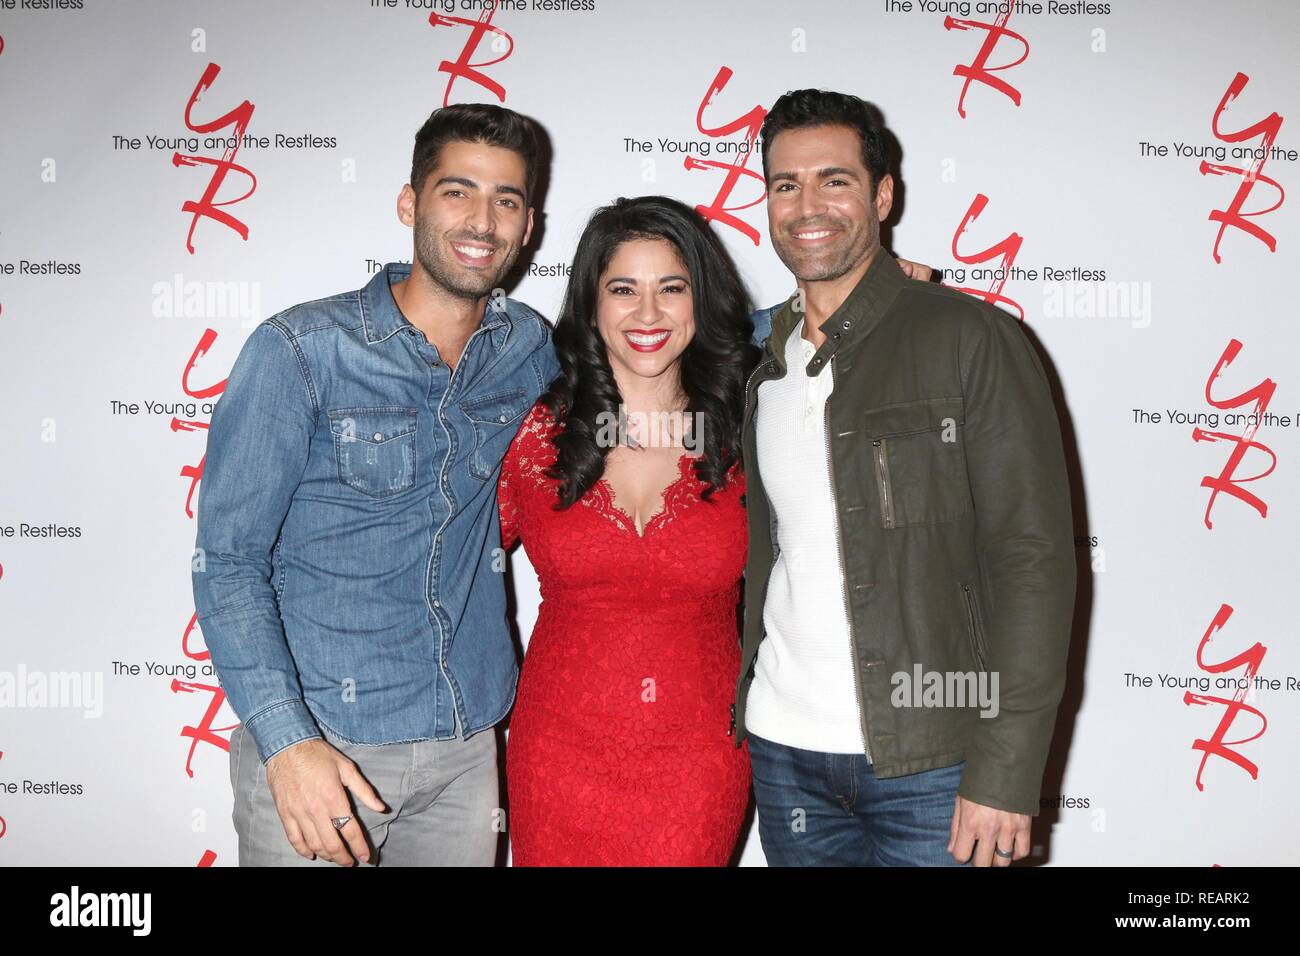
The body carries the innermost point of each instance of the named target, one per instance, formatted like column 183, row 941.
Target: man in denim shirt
column 347, row 574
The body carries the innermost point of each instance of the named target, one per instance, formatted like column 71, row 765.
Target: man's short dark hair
column 799, row 109
column 476, row 123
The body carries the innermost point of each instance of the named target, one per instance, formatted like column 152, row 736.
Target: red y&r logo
column 238, row 119
column 1267, row 129
column 1218, row 745
column 462, row 67
column 204, row 732
column 979, row 70
column 1008, row 248
column 1261, row 394
column 195, row 472
column 751, row 122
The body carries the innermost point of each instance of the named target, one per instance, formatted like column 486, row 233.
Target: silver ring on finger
column 339, row 822
column 1002, row 853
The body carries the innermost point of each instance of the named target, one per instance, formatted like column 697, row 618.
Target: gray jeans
column 441, row 794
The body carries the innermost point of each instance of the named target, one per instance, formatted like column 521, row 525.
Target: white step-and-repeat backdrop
column 1115, row 173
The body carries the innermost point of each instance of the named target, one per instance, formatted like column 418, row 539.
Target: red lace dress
column 618, row 752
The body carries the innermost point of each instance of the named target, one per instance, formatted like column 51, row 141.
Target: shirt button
column 437, row 604
column 379, row 436
column 502, row 418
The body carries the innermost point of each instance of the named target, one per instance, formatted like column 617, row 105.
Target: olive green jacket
column 955, row 534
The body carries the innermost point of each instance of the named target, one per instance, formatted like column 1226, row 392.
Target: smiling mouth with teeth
column 648, row 341
column 473, row 252
column 817, row 234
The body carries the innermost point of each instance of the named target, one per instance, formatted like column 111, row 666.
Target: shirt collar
column 798, row 346
column 857, row 315
column 381, row 317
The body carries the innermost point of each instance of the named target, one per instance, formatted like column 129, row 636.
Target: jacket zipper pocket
column 976, row 638
column 882, row 476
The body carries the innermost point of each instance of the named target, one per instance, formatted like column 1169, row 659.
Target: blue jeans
column 820, row 809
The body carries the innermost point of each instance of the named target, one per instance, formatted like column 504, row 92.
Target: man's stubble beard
column 445, row 272
column 860, row 246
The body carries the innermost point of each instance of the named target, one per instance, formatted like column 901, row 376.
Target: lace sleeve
column 508, row 493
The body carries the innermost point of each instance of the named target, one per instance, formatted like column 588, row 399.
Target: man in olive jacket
column 911, row 574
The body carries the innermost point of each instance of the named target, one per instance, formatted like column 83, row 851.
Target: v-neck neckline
column 626, row 520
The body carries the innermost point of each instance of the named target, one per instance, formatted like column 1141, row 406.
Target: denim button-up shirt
column 347, row 573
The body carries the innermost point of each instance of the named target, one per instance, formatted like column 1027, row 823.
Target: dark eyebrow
column 821, row 173
column 632, row 281
column 463, row 181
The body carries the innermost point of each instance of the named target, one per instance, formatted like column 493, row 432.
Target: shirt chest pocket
column 494, row 420
column 375, row 448
column 915, row 451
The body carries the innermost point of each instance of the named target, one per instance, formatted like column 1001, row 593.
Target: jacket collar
column 857, row 315
column 381, row 317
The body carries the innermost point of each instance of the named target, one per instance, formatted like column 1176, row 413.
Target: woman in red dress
column 625, row 487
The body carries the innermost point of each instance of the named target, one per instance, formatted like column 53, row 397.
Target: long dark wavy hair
column 713, row 365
